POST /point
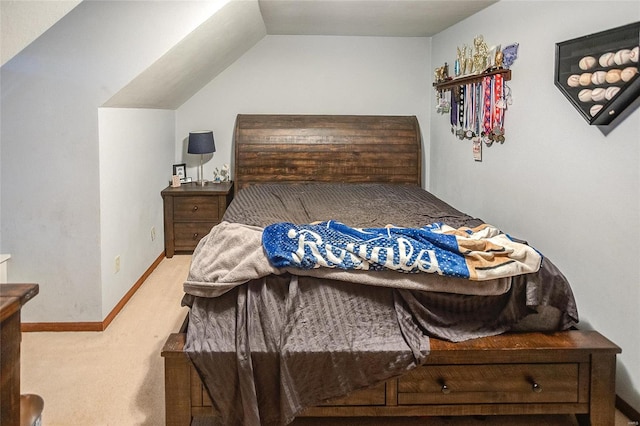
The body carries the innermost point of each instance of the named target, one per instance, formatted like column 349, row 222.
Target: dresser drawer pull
column 195, row 236
column 536, row 387
column 445, row 389
column 194, row 209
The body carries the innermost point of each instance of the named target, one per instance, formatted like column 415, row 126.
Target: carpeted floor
column 115, row 377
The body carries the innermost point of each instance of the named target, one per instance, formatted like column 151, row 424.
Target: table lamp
column 201, row 142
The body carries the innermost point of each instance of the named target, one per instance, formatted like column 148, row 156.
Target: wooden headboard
column 327, row 148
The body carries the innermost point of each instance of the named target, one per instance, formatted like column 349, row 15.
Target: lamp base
column 201, row 181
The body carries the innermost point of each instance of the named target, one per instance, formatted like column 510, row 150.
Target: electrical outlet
column 153, row 233
column 116, row 264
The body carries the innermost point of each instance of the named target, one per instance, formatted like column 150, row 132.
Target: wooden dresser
column 568, row 372
column 546, row 373
column 190, row 211
column 12, row 298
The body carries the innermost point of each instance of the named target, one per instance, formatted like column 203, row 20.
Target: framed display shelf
column 468, row 79
column 598, row 73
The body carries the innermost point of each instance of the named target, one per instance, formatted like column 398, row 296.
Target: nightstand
column 190, row 211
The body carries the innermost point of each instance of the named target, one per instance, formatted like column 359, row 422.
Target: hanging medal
column 461, row 109
column 486, row 111
column 498, row 130
column 469, row 114
column 442, row 104
column 453, row 114
column 477, row 112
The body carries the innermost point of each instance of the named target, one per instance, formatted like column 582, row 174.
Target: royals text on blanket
column 481, row 253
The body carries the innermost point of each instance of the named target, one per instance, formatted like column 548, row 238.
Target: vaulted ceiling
column 240, row 24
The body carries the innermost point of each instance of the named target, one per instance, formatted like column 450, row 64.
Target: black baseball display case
column 598, row 73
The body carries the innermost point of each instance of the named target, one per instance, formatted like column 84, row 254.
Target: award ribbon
column 486, row 109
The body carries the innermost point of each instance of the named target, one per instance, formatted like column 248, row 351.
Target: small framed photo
column 180, row 170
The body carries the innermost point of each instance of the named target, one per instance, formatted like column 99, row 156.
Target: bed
column 264, row 345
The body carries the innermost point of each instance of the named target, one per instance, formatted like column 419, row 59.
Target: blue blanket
column 480, row 253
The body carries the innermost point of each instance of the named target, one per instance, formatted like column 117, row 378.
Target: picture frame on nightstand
column 180, row 170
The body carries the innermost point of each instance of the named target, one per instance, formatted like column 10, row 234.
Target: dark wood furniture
column 190, row 211
column 317, row 148
column 515, row 373
column 12, row 298
column 525, row 373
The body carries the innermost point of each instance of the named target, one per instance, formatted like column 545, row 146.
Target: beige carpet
column 115, row 378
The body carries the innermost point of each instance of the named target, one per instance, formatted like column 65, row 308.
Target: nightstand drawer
column 508, row 383
column 187, row 235
column 196, row 208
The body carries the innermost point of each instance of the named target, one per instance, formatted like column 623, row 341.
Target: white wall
column 309, row 75
column 136, row 153
column 50, row 178
column 558, row 182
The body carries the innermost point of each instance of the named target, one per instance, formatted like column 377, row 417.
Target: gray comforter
column 270, row 347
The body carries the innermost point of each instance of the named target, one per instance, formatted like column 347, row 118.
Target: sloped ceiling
column 240, row 24
column 195, row 60
column 23, row 21
column 234, row 29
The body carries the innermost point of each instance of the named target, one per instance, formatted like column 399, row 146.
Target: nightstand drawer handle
column 194, row 209
column 195, row 236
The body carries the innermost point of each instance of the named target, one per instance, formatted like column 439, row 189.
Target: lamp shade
column 201, row 142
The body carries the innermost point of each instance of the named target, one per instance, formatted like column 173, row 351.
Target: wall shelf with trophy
column 598, row 73
column 476, row 78
column 477, row 97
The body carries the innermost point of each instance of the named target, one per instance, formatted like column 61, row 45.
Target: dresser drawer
column 196, row 208
column 375, row 395
column 187, row 235
column 507, row 383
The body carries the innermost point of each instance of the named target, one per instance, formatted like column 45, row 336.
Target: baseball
column 628, row 73
column 585, row 95
column 613, row 76
column 585, row 79
column 606, row 60
column 595, row 109
column 598, row 77
column 587, row 62
column 611, row 92
column 597, row 94
column 633, row 56
column 573, row 80
column 622, row 57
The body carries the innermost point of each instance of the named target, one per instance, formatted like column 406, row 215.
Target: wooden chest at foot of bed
column 520, row 373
